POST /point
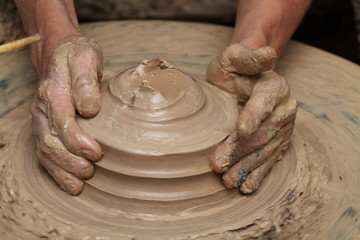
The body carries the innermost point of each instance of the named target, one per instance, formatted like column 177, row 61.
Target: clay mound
column 158, row 127
column 311, row 193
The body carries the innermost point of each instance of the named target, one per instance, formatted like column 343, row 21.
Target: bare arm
column 54, row 20
column 69, row 67
column 268, row 112
column 268, row 22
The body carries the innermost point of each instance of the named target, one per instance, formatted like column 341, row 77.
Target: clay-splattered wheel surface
column 313, row 192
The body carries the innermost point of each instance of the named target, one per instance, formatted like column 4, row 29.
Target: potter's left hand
column 68, row 81
column 266, row 120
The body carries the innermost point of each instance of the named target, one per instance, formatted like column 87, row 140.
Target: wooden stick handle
column 19, row 43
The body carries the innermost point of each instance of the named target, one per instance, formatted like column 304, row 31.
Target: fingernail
column 87, row 172
column 245, row 189
column 90, row 155
column 228, row 182
column 72, row 186
column 89, row 106
column 223, row 157
column 217, row 163
column 76, row 190
column 226, row 164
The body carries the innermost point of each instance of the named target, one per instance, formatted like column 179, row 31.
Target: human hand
column 266, row 120
column 69, row 75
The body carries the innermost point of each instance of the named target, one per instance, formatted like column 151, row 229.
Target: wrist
column 251, row 42
column 43, row 52
column 54, row 20
column 256, row 26
column 268, row 22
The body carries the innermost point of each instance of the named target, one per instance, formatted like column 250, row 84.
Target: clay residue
column 294, row 192
column 158, row 126
column 311, row 194
column 154, row 84
column 162, row 108
column 155, row 172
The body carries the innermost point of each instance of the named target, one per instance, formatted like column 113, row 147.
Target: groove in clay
column 157, row 127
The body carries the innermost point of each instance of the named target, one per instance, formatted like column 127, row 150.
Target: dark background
column 330, row 25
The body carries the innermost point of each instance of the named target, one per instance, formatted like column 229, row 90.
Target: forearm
column 54, row 20
column 268, row 22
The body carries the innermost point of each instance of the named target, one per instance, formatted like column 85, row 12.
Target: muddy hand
column 69, row 82
column 266, row 119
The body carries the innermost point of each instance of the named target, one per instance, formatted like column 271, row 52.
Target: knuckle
column 91, row 52
column 44, row 91
column 60, row 123
column 281, row 84
column 82, row 81
column 51, row 142
column 90, row 44
column 46, row 150
column 293, row 105
column 284, row 85
column 95, row 44
column 266, row 53
column 224, row 61
column 84, row 48
column 91, row 48
column 220, row 77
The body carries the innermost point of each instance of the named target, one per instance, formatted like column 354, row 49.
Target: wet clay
column 312, row 193
column 157, row 127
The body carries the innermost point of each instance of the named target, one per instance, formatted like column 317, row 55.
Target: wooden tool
column 19, row 43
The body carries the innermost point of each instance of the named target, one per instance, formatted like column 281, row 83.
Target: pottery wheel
column 313, row 192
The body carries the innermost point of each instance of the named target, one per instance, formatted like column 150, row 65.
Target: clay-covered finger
column 85, row 73
column 54, row 150
column 269, row 91
column 221, row 78
column 75, row 139
column 67, row 182
column 229, row 152
column 254, row 179
column 223, row 157
column 238, row 172
column 245, row 61
column 63, row 125
column 282, row 115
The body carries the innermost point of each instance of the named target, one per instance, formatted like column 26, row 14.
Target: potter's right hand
column 69, row 80
column 266, row 119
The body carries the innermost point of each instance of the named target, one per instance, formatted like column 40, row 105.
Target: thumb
column 86, row 72
column 247, row 61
